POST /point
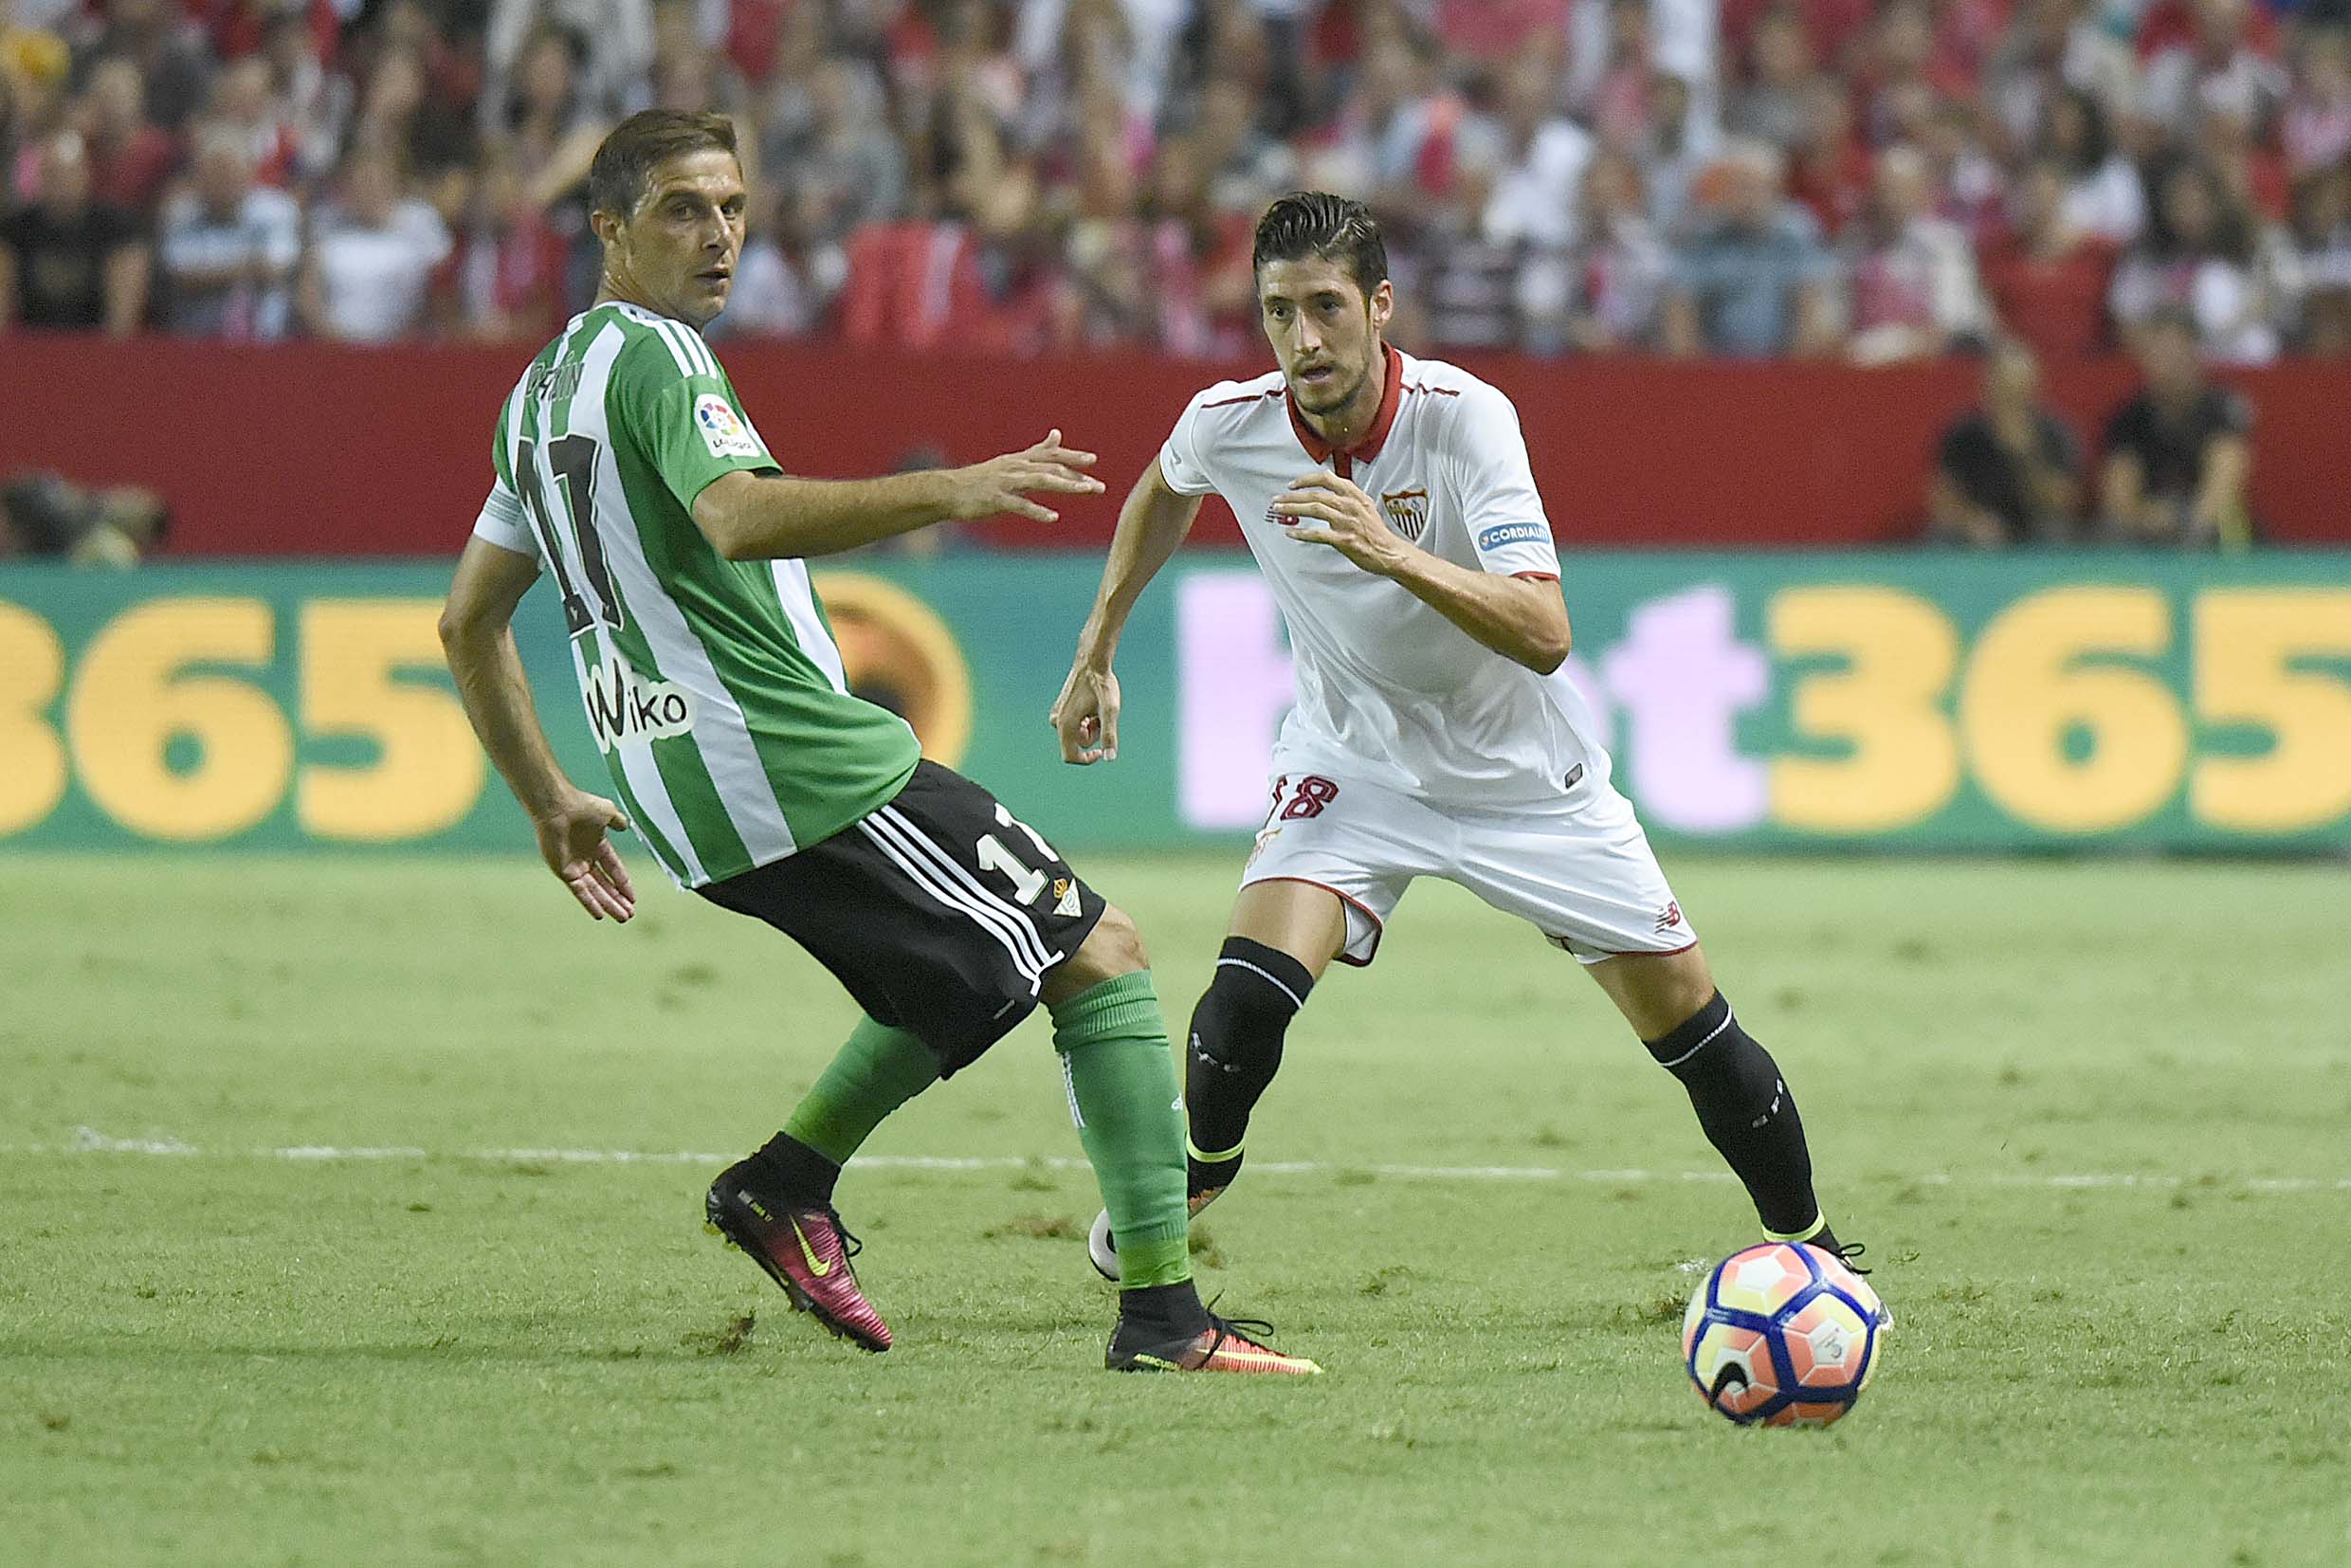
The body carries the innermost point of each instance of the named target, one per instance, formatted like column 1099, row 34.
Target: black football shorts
column 940, row 912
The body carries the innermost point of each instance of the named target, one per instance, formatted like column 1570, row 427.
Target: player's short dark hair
column 642, row 143
column 1315, row 223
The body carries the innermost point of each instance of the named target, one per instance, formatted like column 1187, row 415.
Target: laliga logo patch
column 723, row 431
column 622, row 705
column 1408, row 512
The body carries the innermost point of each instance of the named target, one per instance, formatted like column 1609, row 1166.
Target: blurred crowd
column 1878, row 180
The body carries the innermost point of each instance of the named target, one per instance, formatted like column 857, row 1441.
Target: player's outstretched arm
column 749, row 516
column 1152, row 525
column 476, row 637
column 1520, row 618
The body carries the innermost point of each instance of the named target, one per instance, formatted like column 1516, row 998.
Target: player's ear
column 1384, row 303
column 607, row 225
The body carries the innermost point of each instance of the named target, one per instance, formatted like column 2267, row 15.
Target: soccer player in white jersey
column 1389, row 504
column 627, row 467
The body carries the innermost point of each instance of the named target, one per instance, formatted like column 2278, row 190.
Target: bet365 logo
column 622, row 705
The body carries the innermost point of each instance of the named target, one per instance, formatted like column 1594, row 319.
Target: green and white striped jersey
column 714, row 686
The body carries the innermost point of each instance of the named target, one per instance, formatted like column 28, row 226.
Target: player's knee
column 1249, row 1004
column 1114, row 947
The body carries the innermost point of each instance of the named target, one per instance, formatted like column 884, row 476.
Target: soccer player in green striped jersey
column 630, row 472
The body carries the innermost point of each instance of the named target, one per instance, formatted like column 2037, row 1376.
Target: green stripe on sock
column 1819, row 1224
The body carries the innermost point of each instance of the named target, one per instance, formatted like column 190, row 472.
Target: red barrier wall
column 314, row 449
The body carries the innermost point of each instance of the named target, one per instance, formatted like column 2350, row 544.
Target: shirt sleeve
column 671, row 398
column 502, row 521
column 1179, row 455
column 1494, row 486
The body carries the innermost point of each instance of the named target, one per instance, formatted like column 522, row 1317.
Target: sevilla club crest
column 1408, row 512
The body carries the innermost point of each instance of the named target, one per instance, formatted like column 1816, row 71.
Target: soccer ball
column 1782, row 1335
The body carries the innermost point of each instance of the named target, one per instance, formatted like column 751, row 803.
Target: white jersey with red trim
column 1389, row 690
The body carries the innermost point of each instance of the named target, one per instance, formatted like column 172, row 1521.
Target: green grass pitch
column 2092, row 1119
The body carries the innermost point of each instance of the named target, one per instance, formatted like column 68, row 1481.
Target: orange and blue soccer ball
column 1782, row 1335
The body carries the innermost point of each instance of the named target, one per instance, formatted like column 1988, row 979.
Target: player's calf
column 1748, row 1115
column 1235, row 1048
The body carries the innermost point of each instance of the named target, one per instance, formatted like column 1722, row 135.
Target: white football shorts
column 1578, row 867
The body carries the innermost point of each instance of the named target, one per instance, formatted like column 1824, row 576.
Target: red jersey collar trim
column 1376, row 437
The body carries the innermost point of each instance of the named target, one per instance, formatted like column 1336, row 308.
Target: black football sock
column 800, row 1176
column 1748, row 1115
column 1235, row 1049
column 1154, row 1313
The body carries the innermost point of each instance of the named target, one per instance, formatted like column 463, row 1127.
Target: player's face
column 1324, row 331
column 676, row 253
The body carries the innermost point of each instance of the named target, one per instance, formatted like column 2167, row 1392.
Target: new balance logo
column 1669, row 917
column 622, row 705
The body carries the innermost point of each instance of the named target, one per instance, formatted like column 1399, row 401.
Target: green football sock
column 877, row 1071
column 1124, row 1095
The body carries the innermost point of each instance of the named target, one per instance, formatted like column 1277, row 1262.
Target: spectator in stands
column 1618, row 281
column 242, row 99
column 1678, row 150
column 2045, row 280
column 778, row 292
column 688, row 71
column 2103, row 194
column 313, row 103
column 2219, row 68
column 228, row 245
column 33, row 67
column 2054, row 47
column 1394, row 137
column 1246, row 166
column 1536, row 158
column 1829, row 175
column 1909, row 278
column 508, row 281
column 2316, row 130
column 1969, row 187
column 169, row 50
column 1754, row 282
column 1617, row 102
column 129, row 158
column 2178, row 459
column 2322, row 239
column 1195, row 260
column 1769, row 105
column 2199, row 255
column 412, row 105
column 375, row 249
column 2009, row 472
column 830, row 139
column 549, row 130
column 67, row 262
column 614, row 62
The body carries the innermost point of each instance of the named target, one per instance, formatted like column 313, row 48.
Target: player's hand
column 1004, row 484
column 571, row 839
column 1086, row 715
column 1322, row 508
